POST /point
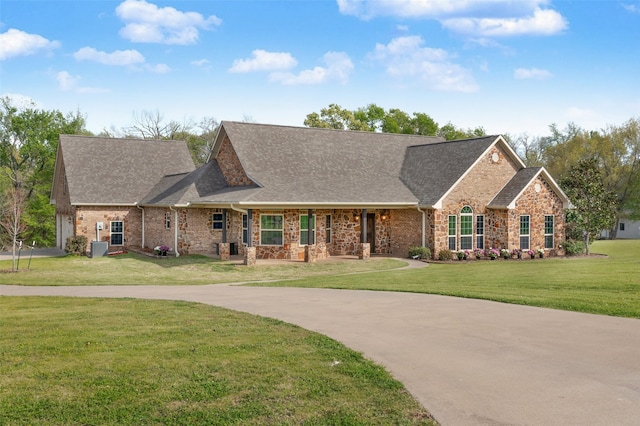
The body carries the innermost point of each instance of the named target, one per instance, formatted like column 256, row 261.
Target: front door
column 371, row 231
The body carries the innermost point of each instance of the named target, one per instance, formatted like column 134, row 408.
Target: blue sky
column 511, row 66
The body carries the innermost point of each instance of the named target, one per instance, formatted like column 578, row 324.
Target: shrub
column 574, row 247
column 77, row 245
column 420, row 252
column 445, row 254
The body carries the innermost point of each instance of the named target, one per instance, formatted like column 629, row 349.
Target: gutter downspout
column 237, row 209
column 424, row 225
column 141, row 208
column 175, row 236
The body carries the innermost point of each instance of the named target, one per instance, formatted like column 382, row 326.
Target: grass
column 608, row 285
column 134, row 269
column 68, row 361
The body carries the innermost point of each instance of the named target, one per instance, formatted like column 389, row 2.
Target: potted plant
column 532, row 254
column 478, row 253
column 540, row 253
column 466, row 254
column 161, row 250
column 493, row 254
column 516, row 253
column 505, row 253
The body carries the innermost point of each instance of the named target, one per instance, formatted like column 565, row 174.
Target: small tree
column 12, row 209
column 594, row 207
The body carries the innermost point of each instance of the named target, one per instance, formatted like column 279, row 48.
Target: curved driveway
column 469, row 362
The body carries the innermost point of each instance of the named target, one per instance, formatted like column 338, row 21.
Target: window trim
column 112, row 233
column 301, row 229
column 528, row 234
column 547, row 234
column 281, row 230
column 480, row 235
column 327, row 229
column 245, row 228
column 219, row 221
column 452, row 236
column 466, row 240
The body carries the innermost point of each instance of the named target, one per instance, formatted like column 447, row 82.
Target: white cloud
column 631, row 8
column 116, row 58
column 531, row 74
column 19, row 43
column 542, row 22
column 159, row 68
column 477, row 17
column 200, row 63
column 69, row 83
column 148, row 23
column 262, row 60
column 338, row 68
column 405, row 58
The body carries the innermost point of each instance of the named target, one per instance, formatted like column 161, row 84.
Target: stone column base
column 364, row 251
column 250, row 256
column 310, row 254
column 224, row 250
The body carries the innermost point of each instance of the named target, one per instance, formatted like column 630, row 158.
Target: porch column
column 224, row 225
column 249, row 251
column 364, row 251
column 310, row 249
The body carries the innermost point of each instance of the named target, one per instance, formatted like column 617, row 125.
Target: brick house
column 305, row 193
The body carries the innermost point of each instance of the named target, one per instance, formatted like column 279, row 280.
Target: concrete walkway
column 469, row 362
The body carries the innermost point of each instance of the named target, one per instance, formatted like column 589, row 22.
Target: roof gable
column 431, row 171
column 108, row 171
column 511, row 192
column 301, row 165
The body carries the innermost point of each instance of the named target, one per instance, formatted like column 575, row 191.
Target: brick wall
column 406, row 230
column 87, row 217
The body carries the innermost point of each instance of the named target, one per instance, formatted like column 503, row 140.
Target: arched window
column 466, row 228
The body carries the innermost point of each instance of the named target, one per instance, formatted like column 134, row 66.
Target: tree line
column 29, row 139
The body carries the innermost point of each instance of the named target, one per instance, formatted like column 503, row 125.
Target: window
column 622, row 226
column 452, row 232
column 548, row 232
column 117, row 233
column 216, row 221
column 524, row 232
column 271, row 229
column 245, row 228
column 480, row 231
column 328, row 229
column 466, row 228
column 304, row 229
column 167, row 220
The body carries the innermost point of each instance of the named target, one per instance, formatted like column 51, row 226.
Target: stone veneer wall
column 230, row 165
column 538, row 205
column 87, row 217
column 476, row 190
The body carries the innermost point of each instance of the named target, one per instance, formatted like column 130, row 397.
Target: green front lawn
column 69, row 361
column 608, row 285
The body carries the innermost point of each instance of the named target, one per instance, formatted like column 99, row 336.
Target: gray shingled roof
column 430, row 170
column 118, row 171
column 310, row 165
column 514, row 188
column 205, row 185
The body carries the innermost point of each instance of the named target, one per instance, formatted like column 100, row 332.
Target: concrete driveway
column 469, row 362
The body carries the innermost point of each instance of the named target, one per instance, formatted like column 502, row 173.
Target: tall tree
column 28, row 144
column 335, row 117
column 11, row 211
column 594, row 207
